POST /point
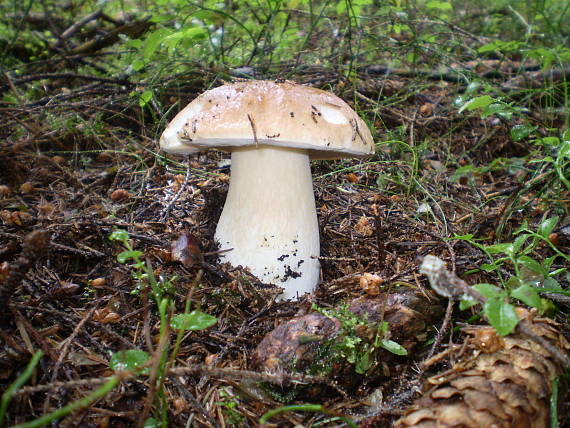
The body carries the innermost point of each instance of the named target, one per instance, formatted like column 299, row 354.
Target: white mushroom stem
column 269, row 218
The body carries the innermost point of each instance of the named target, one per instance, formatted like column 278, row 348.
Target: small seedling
column 229, row 403
column 134, row 360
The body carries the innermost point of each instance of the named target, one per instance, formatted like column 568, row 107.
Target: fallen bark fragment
column 496, row 382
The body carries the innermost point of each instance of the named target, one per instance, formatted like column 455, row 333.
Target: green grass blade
column 9, row 393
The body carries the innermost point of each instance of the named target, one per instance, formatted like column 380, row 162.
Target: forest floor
column 82, row 160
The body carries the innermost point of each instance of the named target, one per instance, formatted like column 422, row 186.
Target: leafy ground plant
column 530, row 276
column 187, row 321
column 130, row 363
column 349, row 346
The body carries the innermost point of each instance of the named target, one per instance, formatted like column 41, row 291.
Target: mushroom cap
column 273, row 113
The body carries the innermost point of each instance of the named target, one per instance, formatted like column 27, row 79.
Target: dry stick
column 193, row 401
column 252, row 123
column 439, row 336
column 63, row 352
column 37, row 337
column 448, row 312
column 154, row 374
column 177, row 195
column 72, row 318
column 195, row 369
column 35, row 129
column 453, row 283
column 65, row 248
column 380, row 241
column 110, row 38
column 77, row 25
column 428, row 362
column 24, row 335
column 13, row 89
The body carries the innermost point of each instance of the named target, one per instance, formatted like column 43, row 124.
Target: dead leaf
column 186, row 250
column 364, row 227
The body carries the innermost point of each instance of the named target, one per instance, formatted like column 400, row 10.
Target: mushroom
column 273, row 130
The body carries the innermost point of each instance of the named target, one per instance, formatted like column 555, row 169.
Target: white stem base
column 269, row 218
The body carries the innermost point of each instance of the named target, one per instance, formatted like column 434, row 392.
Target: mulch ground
column 82, row 160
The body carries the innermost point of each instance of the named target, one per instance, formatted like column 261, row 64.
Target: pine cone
column 501, row 382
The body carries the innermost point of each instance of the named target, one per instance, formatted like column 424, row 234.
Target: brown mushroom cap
column 270, row 113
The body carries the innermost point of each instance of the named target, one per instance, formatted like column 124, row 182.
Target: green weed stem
column 83, row 402
column 7, row 396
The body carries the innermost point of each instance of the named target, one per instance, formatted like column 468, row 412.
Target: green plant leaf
column 500, row 46
column 137, row 65
column 528, row 295
column 501, row 315
column 119, row 235
column 11, row 99
column 546, row 56
column 500, row 109
column 547, row 264
column 548, row 141
column 393, row 347
column 532, row 265
column 157, row 19
column 547, row 226
column 489, row 267
column 195, row 320
column 363, row 363
column 513, row 282
column 440, row 5
column 519, row 242
column 477, row 103
column 551, row 284
column 467, row 237
column 123, row 256
column 520, row 132
column 489, row 291
column 187, row 34
column 340, row 8
column 506, row 248
column 153, row 42
column 145, row 97
column 489, row 47
column 473, row 87
column 152, row 423
column 467, row 302
column 128, row 360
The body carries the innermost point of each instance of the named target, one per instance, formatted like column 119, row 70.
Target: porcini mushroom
column 273, row 130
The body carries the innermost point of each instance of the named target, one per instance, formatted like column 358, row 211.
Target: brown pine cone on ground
column 498, row 382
